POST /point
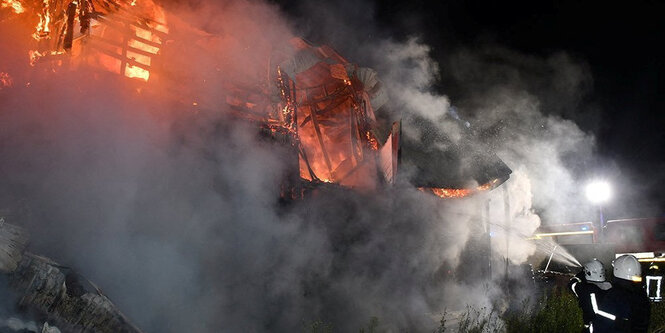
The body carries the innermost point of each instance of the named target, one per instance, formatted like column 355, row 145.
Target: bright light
column 598, row 191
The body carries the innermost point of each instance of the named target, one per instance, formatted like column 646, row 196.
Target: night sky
column 620, row 43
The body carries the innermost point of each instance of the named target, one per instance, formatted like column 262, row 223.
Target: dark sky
column 621, row 44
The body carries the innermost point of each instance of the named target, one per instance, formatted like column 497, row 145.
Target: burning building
column 326, row 104
column 309, row 98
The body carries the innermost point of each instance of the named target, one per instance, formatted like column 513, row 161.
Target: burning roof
column 450, row 168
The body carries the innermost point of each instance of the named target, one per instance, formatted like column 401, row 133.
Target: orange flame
column 450, row 192
column 123, row 38
column 459, row 192
column 141, row 43
column 43, row 29
column 14, row 5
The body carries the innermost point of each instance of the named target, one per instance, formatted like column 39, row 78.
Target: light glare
column 598, row 192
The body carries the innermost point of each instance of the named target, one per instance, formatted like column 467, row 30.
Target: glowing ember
column 450, row 192
column 459, row 192
column 36, row 55
column 5, row 80
column 16, row 6
column 371, row 140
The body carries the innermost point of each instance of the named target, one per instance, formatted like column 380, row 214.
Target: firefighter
column 654, row 282
column 589, row 283
column 625, row 307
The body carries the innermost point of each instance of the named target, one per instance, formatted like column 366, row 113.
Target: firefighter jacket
column 588, row 292
column 654, row 283
column 625, row 308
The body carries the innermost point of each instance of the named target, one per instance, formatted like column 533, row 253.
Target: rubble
column 55, row 292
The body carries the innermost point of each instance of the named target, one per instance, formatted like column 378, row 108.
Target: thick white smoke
column 174, row 211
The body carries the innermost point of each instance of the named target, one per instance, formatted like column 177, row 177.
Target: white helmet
column 594, row 271
column 628, row 268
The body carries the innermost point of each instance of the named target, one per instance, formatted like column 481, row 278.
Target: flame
column 14, row 5
column 334, row 133
column 134, row 71
column 450, row 192
column 43, row 29
column 122, row 38
column 459, row 192
column 142, row 35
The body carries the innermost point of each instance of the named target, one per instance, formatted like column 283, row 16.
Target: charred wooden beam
column 69, row 30
column 126, row 30
column 319, row 136
column 99, row 40
column 127, row 60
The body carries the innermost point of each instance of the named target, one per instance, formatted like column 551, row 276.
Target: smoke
column 517, row 102
column 173, row 209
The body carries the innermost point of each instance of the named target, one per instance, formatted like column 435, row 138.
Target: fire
column 140, row 58
column 326, row 107
column 122, row 38
column 43, row 29
column 15, row 5
column 145, row 45
column 450, row 192
column 334, row 120
column 459, row 192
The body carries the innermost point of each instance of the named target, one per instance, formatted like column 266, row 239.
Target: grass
column 657, row 322
column 555, row 312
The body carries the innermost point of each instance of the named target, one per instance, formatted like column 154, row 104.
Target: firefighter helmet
column 594, row 271
column 628, row 268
